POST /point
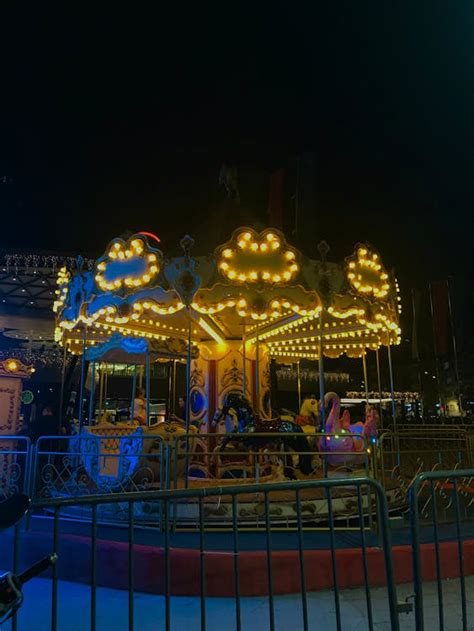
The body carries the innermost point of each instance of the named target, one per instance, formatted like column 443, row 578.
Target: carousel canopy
column 255, row 286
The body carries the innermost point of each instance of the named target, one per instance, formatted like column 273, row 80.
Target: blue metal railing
column 436, row 485
column 266, row 493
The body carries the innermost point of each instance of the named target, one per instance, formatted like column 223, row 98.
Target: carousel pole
column 298, row 379
column 61, row 395
column 82, row 380
column 91, row 397
column 174, row 387
column 188, row 374
column 379, row 383
column 392, row 393
column 170, row 387
column 257, row 373
column 321, row 373
column 134, row 388
column 101, row 387
column 147, row 384
column 366, row 383
column 244, row 361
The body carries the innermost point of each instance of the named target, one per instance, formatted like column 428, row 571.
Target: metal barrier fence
column 15, row 465
column 89, row 464
column 405, row 454
column 454, row 490
column 308, row 569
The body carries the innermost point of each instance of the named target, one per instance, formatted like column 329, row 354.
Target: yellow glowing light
column 227, row 254
column 214, row 334
column 263, row 247
column 289, row 255
column 12, row 365
column 242, row 244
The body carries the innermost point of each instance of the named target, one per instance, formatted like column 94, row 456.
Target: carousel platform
column 112, row 556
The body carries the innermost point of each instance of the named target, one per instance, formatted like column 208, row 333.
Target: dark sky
column 122, row 119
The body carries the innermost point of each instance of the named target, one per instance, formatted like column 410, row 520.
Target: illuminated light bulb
column 227, row 254
column 266, row 275
column 116, row 246
column 289, row 255
column 231, row 303
column 253, row 275
column 224, row 265
column 242, row 244
column 101, row 266
column 242, row 313
column 146, row 278
column 276, row 278
column 121, row 254
column 254, row 246
column 113, row 255
column 362, row 252
column 255, row 316
column 275, row 245
column 263, row 247
column 232, row 274
column 117, row 283
column 286, row 304
column 275, row 314
column 153, row 269
column 242, row 302
column 247, row 236
column 294, row 267
column 270, row 236
column 242, row 277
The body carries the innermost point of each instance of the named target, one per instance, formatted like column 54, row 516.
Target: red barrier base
column 149, row 567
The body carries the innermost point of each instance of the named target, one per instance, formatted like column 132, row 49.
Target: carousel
column 229, row 316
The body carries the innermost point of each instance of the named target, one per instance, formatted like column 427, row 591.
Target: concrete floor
column 112, row 612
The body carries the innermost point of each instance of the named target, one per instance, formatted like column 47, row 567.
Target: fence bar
column 235, row 532
column 438, row 558
column 166, row 526
column 131, row 582
column 202, row 570
column 460, row 555
column 269, row 562
column 94, row 568
column 304, row 600
column 333, row 559
column 16, row 559
column 364, row 558
column 54, row 585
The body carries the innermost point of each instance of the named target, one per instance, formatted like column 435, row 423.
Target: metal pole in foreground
column 392, row 393
column 91, row 397
column 379, row 383
column 82, row 381
column 147, row 384
column 134, row 389
column 244, row 361
column 61, row 395
column 366, row 382
column 188, row 399
column 174, row 387
column 455, row 350
column 298, row 377
column 257, row 374
column 321, row 374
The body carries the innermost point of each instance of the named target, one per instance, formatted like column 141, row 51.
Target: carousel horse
column 348, row 438
column 308, row 418
column 239, row 417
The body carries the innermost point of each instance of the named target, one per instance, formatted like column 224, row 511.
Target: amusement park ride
column 227, row 316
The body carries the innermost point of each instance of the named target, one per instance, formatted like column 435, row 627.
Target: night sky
column 122, row 120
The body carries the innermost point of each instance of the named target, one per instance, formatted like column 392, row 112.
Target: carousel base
column 149, row 559
column 217, row 510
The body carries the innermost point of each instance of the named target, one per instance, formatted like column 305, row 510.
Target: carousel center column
column 219, row 370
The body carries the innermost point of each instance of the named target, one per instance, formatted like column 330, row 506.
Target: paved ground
column 112, row 610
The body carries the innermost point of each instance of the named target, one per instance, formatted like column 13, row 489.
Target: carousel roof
column 255, row 285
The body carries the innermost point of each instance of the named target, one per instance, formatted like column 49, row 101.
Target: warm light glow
column 204, row 325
